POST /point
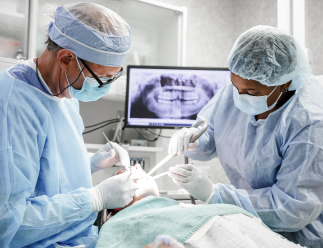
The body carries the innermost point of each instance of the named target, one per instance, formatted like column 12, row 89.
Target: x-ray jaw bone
column 176, row 96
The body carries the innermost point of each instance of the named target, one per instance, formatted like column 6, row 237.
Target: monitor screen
column 168, row 97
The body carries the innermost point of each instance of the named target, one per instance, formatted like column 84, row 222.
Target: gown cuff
column 215, row 197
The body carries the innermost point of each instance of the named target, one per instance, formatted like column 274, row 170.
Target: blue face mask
column 252, row 105
column 90, row 90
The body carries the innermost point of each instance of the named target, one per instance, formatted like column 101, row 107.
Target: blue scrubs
column 44, row 167
column 275, row 165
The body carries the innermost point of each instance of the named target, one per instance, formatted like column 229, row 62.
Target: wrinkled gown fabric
column 44, row 167
column 275, row 165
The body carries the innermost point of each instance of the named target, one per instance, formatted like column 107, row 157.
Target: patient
column 147, row 187
column 215, row 225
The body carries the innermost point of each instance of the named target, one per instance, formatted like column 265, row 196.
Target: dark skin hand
column 254, row 88
column 52, row 67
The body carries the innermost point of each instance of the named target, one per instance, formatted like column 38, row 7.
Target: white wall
column 313, row 34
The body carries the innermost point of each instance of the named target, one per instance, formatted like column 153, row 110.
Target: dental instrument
column 164, row 161
column 123, row 166
column 193, row 139
column 160, row 175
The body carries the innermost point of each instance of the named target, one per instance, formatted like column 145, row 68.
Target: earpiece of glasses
column 115, row 77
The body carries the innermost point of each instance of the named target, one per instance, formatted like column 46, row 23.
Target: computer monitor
column 169, row 97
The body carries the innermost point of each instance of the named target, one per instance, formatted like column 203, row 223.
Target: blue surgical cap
column 270, row 56
column 92, row 32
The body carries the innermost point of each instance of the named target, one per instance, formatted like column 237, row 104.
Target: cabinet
column 14, row 28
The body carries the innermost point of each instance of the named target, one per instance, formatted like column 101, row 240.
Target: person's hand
column 114, row 192
column 193, row 179
column 165, row 241
column 106, row 157
column 180, row 141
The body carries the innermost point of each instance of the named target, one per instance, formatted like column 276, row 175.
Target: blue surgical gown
column 275, row 165
column 44, row 167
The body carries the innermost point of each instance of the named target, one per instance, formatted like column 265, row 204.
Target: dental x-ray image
column 172, row 94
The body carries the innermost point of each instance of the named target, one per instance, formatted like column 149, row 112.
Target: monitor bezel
column 159, row 67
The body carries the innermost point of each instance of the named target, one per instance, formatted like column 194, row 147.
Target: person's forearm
column 46, row 216
column 265, row 204
column 206, row 149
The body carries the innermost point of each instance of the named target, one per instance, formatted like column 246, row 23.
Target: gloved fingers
column 127, row 181
column 128, row 196
column 103, row 159
column 110, row 154
column 180, row 171
column 186, row 139
column 193, row 146
column 130, row 180
column 134, row 176
column 109, row 158
column 181, row 141
column 188, row 167
column 120, row 200
column 123, row 154
column 176, row 182
column 131, row 185
column 178, row 177
column 179, row 183
column 172, row 147
column 107, row 155
column 106, row 147
column 136, row 171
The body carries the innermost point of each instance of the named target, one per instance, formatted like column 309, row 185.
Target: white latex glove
column 106, row 157
column 193, row 179
column 114, row 192
column 163, row 241
column 180, row 141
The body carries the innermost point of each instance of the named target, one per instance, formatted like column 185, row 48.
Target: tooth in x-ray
column 176, row 95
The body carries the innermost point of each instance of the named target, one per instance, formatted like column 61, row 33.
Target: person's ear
column 65, row 58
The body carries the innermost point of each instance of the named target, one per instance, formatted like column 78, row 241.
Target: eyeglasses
column 109, row 81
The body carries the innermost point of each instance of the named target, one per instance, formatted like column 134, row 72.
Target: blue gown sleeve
column 26, row 218
column 294, row 201
column 206, row 149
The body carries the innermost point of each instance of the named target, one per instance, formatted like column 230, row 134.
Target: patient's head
column 147, row 185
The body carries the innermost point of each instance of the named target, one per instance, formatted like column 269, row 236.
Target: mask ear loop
column 283, row 91
column 77, row 60
column 68, row 85
column 272, row 92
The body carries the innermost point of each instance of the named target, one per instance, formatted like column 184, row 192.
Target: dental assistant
column 46, row 193
column 266, row 128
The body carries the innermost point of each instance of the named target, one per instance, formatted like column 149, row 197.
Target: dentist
column 46, row 193
column 266, row 127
